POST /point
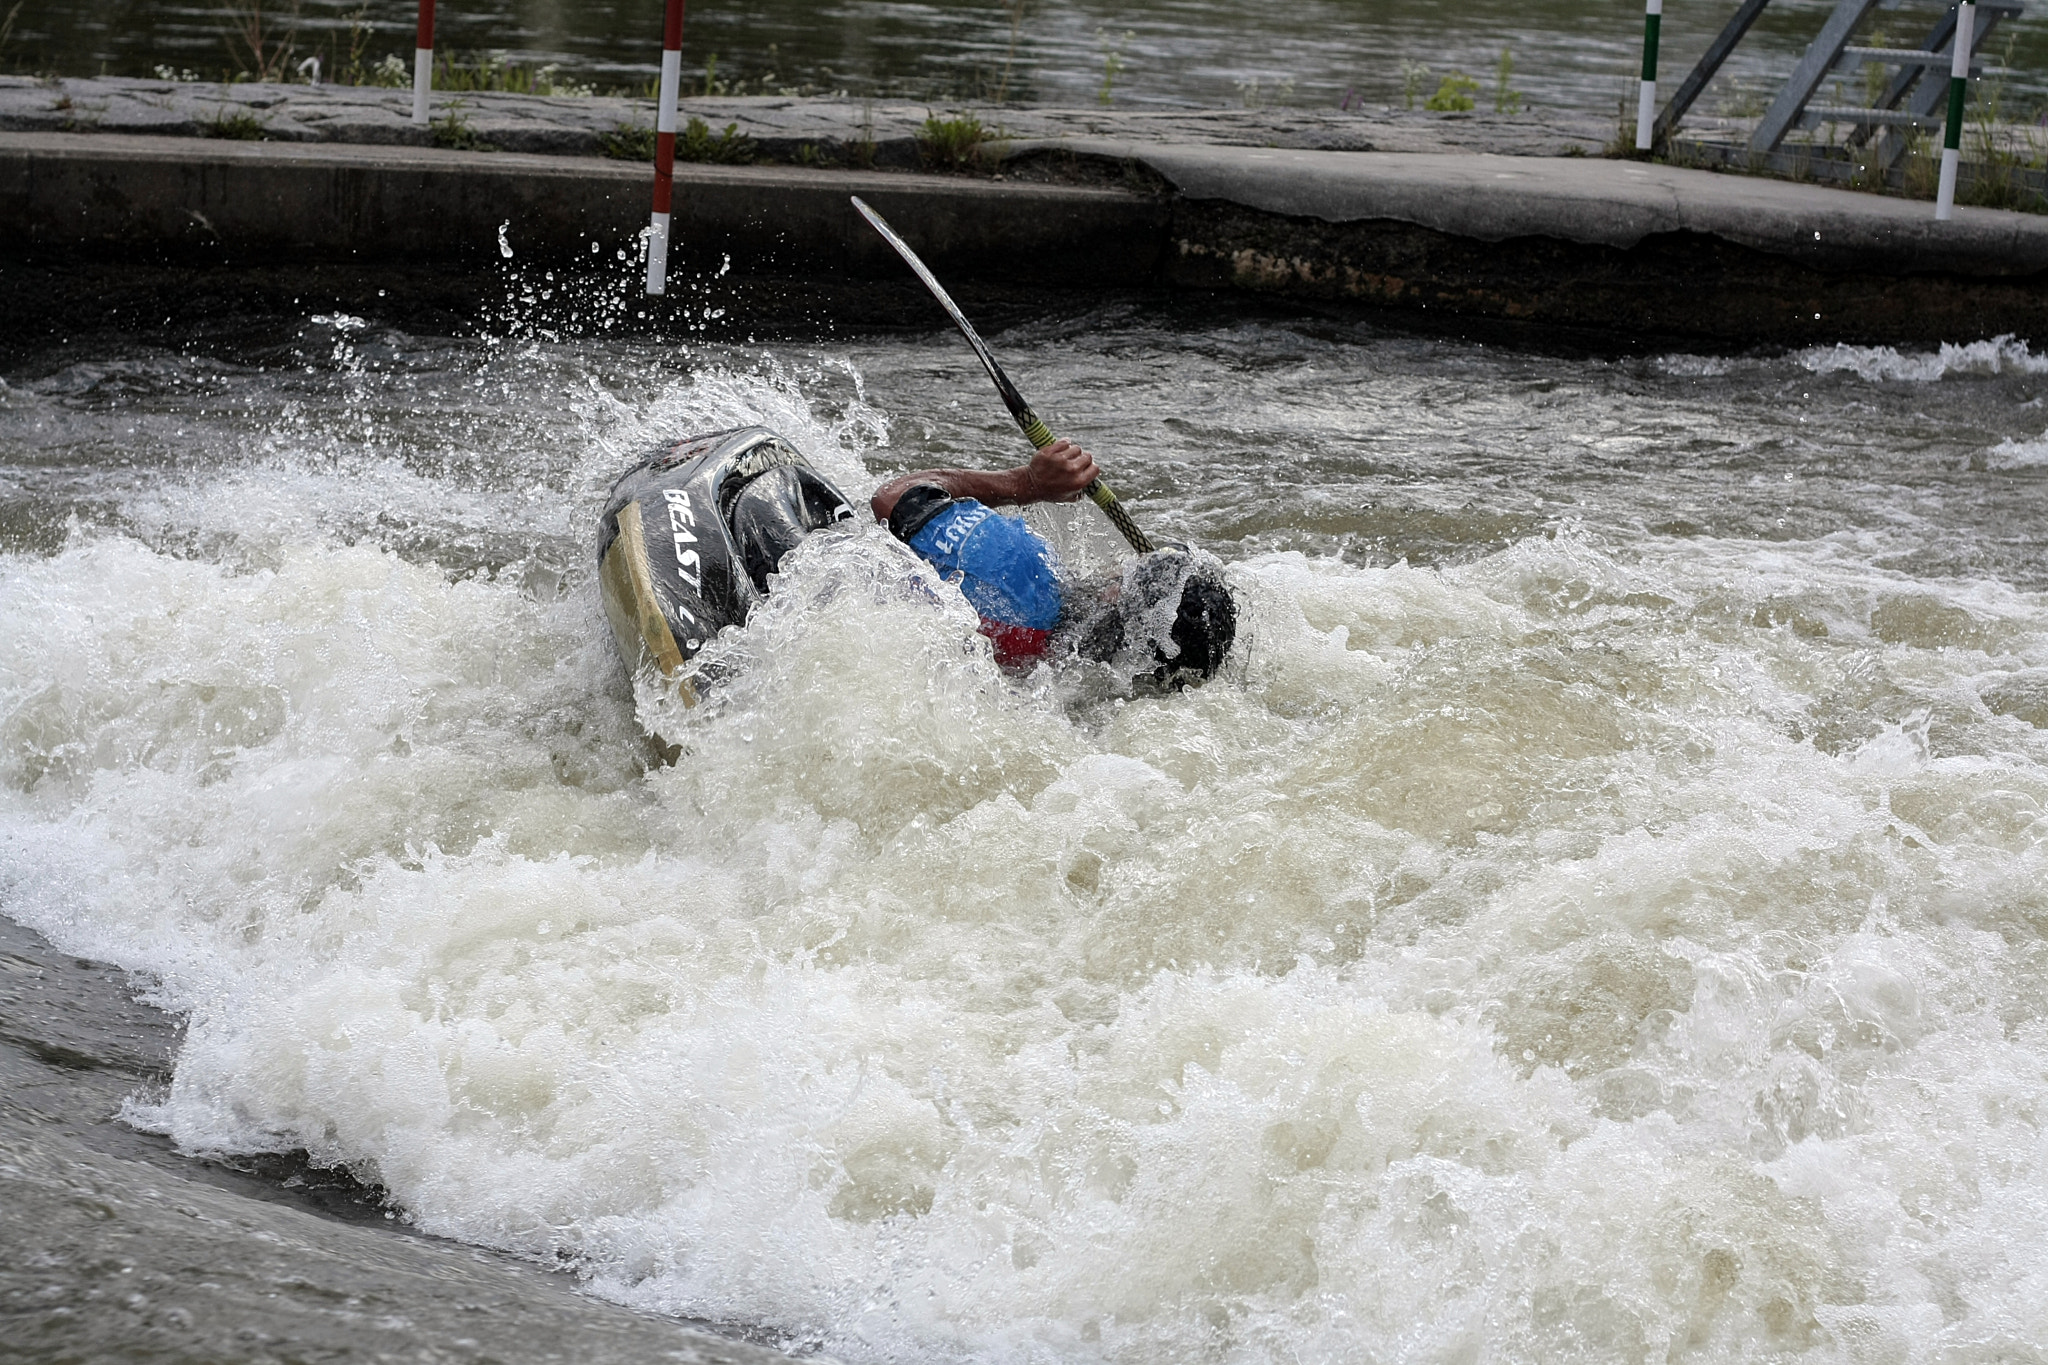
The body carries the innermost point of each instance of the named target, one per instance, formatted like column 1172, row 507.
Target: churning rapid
column 1600, row 916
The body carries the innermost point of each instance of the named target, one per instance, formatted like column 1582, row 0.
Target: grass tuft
column 239, row 125
column 1453, row 94
column 695, row 143
column 628, row 142
column 952, row 144
column 453, row 131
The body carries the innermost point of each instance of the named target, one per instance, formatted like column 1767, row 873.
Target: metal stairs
column 1914, row 98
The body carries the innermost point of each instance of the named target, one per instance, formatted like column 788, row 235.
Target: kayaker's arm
column 1057, row 473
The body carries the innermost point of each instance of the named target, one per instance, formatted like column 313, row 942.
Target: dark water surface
column 1599, row 916
column 1567, row 54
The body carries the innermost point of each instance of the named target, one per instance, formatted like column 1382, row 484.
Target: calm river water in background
column 1601, row 917
column 1568, row 54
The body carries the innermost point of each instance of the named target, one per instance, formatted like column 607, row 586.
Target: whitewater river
column 1601, row 916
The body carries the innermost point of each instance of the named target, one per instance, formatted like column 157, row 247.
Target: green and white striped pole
column 1646, row 102
column 1952, row 140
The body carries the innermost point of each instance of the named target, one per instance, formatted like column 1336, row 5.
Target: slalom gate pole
column 665, row 147
column 1952, row 140
column 1646, row 100
column 423, row 63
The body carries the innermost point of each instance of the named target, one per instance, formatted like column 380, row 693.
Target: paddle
column 1034, row 430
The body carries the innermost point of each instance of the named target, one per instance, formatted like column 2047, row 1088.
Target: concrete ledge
column 1599, row 202
column 236, row 201
column 1632, row 254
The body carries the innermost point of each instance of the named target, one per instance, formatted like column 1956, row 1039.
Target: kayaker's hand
column 1058, row 473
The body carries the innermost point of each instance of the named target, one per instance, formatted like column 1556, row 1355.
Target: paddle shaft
column 1035, row 431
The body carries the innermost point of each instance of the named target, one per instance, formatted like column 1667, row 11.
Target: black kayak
column 691, row 533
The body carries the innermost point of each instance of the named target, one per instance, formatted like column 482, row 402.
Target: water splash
column 1597, row 944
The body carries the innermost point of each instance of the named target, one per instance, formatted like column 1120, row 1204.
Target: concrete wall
column 1616, row 252
column 243, row 202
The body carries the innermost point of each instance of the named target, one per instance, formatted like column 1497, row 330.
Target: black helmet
column 1134, row 629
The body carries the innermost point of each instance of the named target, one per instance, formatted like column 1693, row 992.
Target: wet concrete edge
column 1562, row 242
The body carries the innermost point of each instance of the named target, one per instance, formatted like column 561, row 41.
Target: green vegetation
column 862, row 150
column 493, row 73
column 1112, row 61
column 1453, row 94
column 628, row 142
column 349, row 69
column 259, row 51
column 769, row 82
column 952, row 144
column 238, row 125
column 1254, row 98
column 636, row 142
column 263, row 46
column 1413, row 74
column 451, row 130
column 2005, row 176
column 1017, row 10
column 695, row 143
column 1506, row 100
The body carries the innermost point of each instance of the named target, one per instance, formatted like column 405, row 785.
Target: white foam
column 1499, row 968
column 2011, row 454
column 2000, row 355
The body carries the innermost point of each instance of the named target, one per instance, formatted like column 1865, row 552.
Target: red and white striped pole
column 423, row 63
column 665, row 147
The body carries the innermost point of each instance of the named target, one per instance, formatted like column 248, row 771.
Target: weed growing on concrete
column 811, row 154
column 1017, row 10
column 1623, row 143
column 1876, row 75
column 494, row 73
column 2003, row 175
column 391, row 73
column 862, row 149
column 1413, row 74
column 184, row 76
column 1112, row 60
column 1255, row 98
column 259, row 52
column 350, row 69
column 636, row 142
column 952, row 144
column 239, row 125
column 2004, row 184
column 1506, row 100
column 695, row 143
column 627, row 142
column 452, row 130
column 1453, row 94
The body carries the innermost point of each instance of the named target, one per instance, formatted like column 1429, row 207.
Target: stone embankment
column 1462, row 216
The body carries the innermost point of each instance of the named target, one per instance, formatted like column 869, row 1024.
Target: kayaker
column 693, row 533
column 1006, row 572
